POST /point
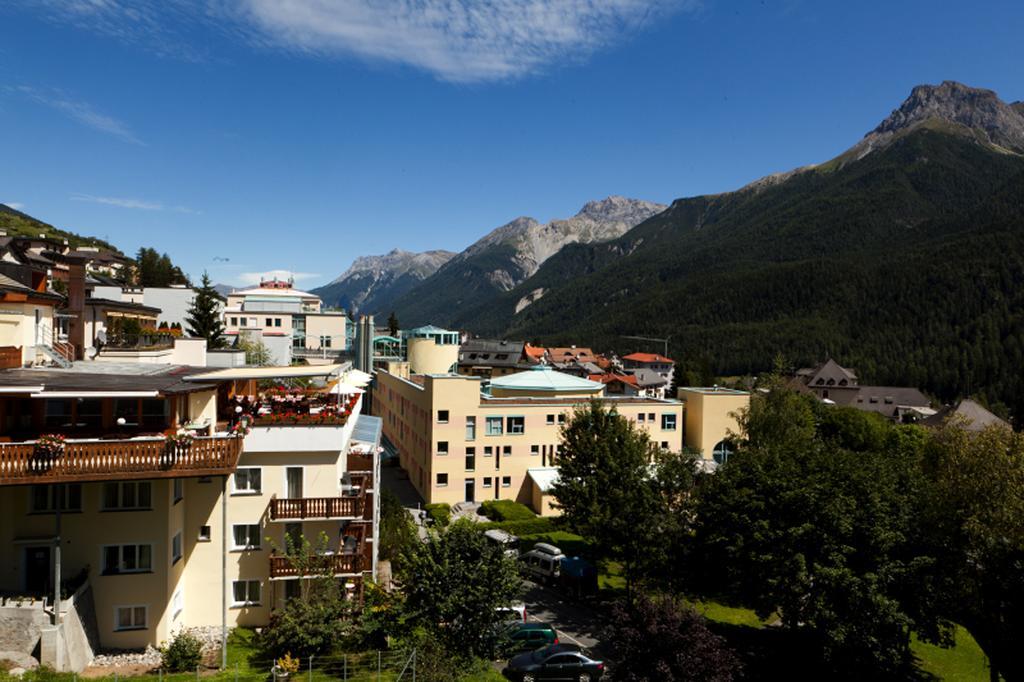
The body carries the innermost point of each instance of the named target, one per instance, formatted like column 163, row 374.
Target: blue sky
column 299, row 134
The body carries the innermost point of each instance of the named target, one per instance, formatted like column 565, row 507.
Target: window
column 722, row 451
column 45, row 498
column 131, row 617
column 534, row 449
column 127, row 495
column 488, row 481
column 127, row 559
column 494, row 426
column 204, row 534
column 245, row 322
column 516, row 425
column 506, row 481
column 442, row 447
column 668, row 422
column 246, row 535
column 488, row 451
column 550, row 419
column 234, row 321
column 561, row 419
column 470, row 459
column 442, row 416
column 292, row 589
column 177, row 604
column 179, row 489
column 650, row 417
column 507, row 451
column 470, row 428
column 248, row 481
column 58, row 413
column 664, row 445
column 176, row 548
column 270, row 322
column 90, row 412
column 246, row 592
column 442, row 480
column 641, row 418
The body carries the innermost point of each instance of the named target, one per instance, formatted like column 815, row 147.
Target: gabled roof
column 648, row 378
column 972, row 414
column 828, row 373
column 562, row 354
column 544, row 378
column 612, row 378
column 649, row 358
column 535, row 352
column 543, row 477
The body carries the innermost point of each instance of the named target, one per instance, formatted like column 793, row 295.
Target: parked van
column 543, row 563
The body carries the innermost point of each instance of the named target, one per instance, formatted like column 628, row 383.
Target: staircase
column 61, row 353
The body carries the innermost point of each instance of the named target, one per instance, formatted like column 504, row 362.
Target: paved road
column 577, row 622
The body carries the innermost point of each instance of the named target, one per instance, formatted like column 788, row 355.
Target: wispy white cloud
column 79, row 111
column 257, row 277
column 122, row 202
column 461, row 41
column 16, row 205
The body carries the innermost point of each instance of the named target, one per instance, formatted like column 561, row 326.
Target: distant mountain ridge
column 900, row 257
column 510, row 254
column 372, row 283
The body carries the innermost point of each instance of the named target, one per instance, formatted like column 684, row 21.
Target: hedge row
column 439, row 513
column 538, row 524
column 506, row 510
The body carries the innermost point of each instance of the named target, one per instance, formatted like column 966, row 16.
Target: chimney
column 76, row 304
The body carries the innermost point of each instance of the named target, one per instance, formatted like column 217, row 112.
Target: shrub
column 439, row 513
column 183, row 654
column 506, row 510
column 532, row 526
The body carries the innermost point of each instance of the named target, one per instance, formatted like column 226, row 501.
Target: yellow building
column 166, row 536
column 461, row 439
column 711, row 416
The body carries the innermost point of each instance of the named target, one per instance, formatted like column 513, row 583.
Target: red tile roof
column 648, row 357
column 609, row 378
column 536, row 352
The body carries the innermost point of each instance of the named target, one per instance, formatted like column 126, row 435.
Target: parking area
column 576, row 622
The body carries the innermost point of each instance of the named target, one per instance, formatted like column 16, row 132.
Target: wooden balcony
column 336, row 565
column 108, row 460
column 316, row 508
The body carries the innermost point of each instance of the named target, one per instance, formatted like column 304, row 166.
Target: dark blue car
column 565, row 662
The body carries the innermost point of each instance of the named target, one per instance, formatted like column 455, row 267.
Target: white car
column 505, row 539
column 543, row 562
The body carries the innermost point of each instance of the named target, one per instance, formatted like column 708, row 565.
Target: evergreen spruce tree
column 393, row 324
column 204, row 317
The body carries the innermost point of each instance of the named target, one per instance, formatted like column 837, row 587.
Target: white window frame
column 675, row 421
column 437, row 479
column 506, row 481
column 447, row 416
column 177, row 552
column 550, row 420
column 447, row 448
column 248, row 601
column 117, row 617
column 235, row 490
column 500, row 421
column 246, row 547
column 487, row 483
column 521, row 424
column 200, row 537
column 120, row 558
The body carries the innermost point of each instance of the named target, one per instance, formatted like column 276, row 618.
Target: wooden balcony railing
column 330, row 564
column 307, row 508
column 103, row 460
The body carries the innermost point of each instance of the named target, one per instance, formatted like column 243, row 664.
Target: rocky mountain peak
column 975, row 109
column 617, row 207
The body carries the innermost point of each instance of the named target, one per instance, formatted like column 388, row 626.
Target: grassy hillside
column 18, row 224
column 907, row 265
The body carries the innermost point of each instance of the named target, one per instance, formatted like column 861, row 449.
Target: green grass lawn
column 964, row 662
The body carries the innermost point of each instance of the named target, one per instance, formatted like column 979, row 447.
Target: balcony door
column 37, row 570
column 293, row 482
